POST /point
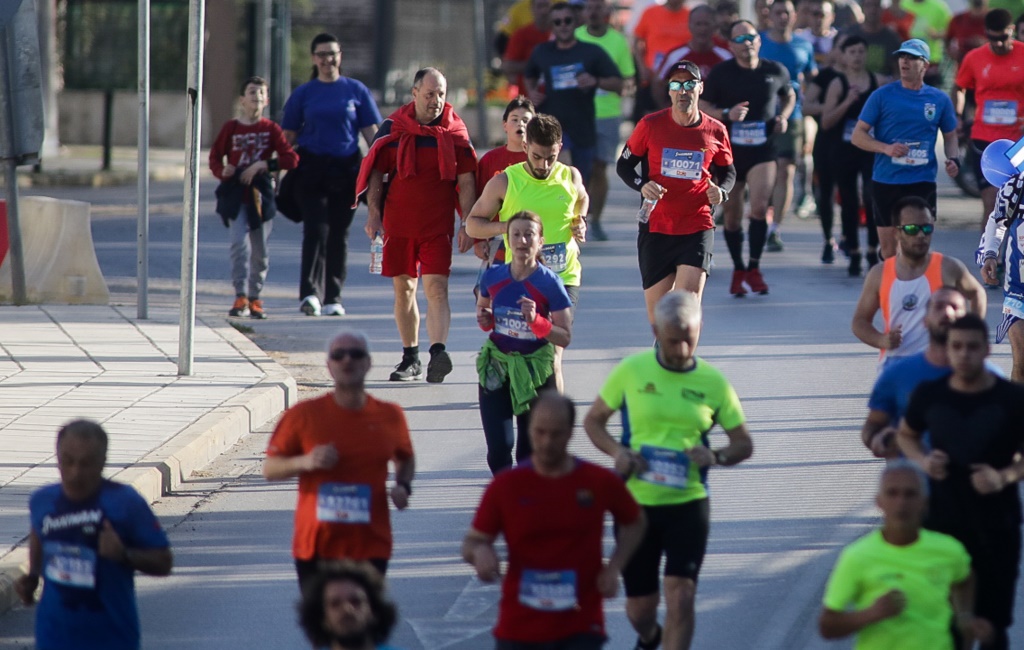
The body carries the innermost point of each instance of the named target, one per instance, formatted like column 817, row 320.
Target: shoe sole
column 308, row 310
column 258, row 316
column 439, row 368
column 243, row 314
column 398, row 377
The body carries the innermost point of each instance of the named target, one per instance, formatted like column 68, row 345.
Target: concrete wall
column 81, row 118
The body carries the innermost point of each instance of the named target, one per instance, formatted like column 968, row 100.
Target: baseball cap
column 915, row 47
column 688, row 66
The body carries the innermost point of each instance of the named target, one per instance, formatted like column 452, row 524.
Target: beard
column 352, row 639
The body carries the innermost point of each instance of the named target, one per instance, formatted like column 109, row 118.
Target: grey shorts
column 608, row 139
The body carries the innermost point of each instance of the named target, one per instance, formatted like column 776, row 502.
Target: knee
column 436, row 291
column 680, row 595
column 642, row 612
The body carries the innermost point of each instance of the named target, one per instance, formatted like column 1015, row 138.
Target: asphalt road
column 778, row 520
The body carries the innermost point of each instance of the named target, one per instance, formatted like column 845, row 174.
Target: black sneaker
column 650, row 645
column 408, row 370
column 828, row 255
column 774, row 243
column 439, row 367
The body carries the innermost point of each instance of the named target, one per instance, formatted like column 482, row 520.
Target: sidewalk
column 58, row 363
column 81, row 166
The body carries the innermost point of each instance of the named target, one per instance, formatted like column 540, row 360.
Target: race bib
column 665, row 467
column 70, row 565
column 563, row 77
column 556, row 256
column 749, row 134
column 548, row 591
column 509, row 322
column 1013, row 307
column 848, row 130
column 343, row 503
column 682, row 163
column 916, row 157
column 999, row 111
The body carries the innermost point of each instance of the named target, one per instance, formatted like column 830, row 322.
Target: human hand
column 373, row 226
column 464, row 240
column 952, row 167
column 989, row 271
column 883, row 443
column 936, row 464
column 714, row 194
column 579, row 229
column 480, row 249
column 400, row 497
column 738, row 112
column 701, row 456
column 781, row 124
column 889, row 604
column 529, row 308
column 628, row 462
column 321, row 457
column 585, row 81
column 252, row 171
column 486, row 563
column 608, row 581
column 896, row 150
column 893, row 338
column 652, row 191
column 25, row 586
column 485, row 318
column 986, row 479
column 228, row 171
column 109, row 543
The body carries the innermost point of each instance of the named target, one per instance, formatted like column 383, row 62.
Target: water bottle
column 376, row 254
column 644, row 215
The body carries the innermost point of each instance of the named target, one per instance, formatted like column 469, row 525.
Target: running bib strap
column 70, row 565
column 563, row 77
column 914, row 157
column 682, row 163
column 749, row 134
column 548, row 591
column 509, row 321
column 999, row 112
column 665, row 467
column 343, row 503
column 556, row 256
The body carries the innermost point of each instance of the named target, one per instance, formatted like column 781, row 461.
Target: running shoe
column 439, row 367
column 333, row 309
column 736, row 287
column 756, row 282
column 653, row 644
column 807, row 207
column 240, row 308
column 310, row 306
column 774, row 243
column 828, row 254
column 408, row 370
column 256, row 310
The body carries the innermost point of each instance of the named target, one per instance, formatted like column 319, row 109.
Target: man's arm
column 863, row 140
column 833, row 624
column 467, row 197
column 864, row 315
column 369, row 132
column 934, row 463
column 627, row 540
column 788, row 104
column 26, row 585
column 151, row 561
column 279, row 468
column 878, row 435
column 581, row 208
column 611, row 84
column 290, row 136
column 956, row 274
column 374, row 205
column 951, row 147
column 405, row 469
column 478, row 550
column 479, row 224
column 596, row 425
column 739, row 449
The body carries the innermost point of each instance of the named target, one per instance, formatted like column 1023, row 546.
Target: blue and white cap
column 915, row 47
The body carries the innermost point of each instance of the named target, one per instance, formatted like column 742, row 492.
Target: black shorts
column 996, row 562
column 746, row 158
column 790, row 144
column 574, row 642
column 885, row 195
column 680, row 532
column 660, row 254
column 979, row 149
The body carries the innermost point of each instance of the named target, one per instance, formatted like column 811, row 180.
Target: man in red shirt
column 339, row 445
column 551, row 512
column 687, row 167
column 996, row 75
column 424, row 150
column 702, row 50
column 966, row 30
column 661, row 28
column 522, row 42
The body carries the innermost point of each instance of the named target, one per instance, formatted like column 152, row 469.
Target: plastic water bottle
column 644, row 215
column 376, row 255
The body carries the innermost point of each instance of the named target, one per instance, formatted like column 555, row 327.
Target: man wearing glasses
column 996, row 75
column 754, row 99
column 339, row 446
column 571, row 72
column 686, row 164
column 899, row 125
column 902, row 286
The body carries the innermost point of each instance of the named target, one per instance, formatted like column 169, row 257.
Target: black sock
column 435, row 348
column 411, row 352
column 758, row 235
column 734, row 242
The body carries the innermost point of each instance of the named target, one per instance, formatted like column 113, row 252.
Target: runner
column 974, row 496
column 551, row 512
column 344, row 608
column 1008, row 216
column 702, row 50
column 753, row 97
column 899, row 124
column 524, row 306
column 686, row 166
column 900, row 287
column 665, row 453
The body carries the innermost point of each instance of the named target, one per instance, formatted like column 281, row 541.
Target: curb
column 97, row 178
column 164, row 469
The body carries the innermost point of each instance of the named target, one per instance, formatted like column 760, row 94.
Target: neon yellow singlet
column 554, row 200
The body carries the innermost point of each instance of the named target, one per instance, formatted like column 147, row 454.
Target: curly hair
column 311, row 607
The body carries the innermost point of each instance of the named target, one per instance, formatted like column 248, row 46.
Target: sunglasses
column 998, row 38
column 558, row 22
column 676, row 85
column 356, row 354
column 912, row 229
column 744, row 38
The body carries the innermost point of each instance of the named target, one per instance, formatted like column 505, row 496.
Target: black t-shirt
column 971, row 428
column 572, row 106
column 728, row 84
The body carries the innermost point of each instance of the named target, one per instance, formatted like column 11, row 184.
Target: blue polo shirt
column 328, row 116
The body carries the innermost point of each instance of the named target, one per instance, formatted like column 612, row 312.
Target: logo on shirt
column 693, row 395
column 649, row 389
column 83, row 518
column 929, row 112
column 910, row 302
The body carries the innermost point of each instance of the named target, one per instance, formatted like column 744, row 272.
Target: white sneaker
column 310, row 306
column 333, row 309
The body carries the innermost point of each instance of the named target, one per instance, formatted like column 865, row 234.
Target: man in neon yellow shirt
column 670, row 400
column 898, row 586
column 607, row 104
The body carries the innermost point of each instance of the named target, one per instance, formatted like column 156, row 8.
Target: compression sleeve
column 724, row 177
column 626, row 169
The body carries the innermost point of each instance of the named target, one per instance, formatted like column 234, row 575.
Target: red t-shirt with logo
column 554, row 528
column 679, row 159
column 998, row 84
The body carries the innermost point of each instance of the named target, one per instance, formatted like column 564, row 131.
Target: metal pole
column 190, row 212
column 480, row 38
column 264, row 24
column 7, row 117
column 142, row 229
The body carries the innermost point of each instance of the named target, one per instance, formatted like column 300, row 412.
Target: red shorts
column 414, row 256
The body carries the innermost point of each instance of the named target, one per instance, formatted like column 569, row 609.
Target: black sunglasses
column 675, row 85
column 357, row 354
column 912, row 229
column 558, row 22
column 999, row 38
column 744, row 38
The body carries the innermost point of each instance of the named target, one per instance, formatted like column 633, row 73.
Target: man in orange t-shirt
column 660, row 30
column 339, row 445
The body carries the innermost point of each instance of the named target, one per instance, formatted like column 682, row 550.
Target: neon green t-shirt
column 923, row 571
column 929, row 15
column 664, row 413
column 553, row 199
column 606, row 103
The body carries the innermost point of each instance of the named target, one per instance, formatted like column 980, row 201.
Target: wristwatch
column 719, row 457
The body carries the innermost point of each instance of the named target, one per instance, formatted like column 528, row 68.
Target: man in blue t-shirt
column 89, row 536
column 899, row 124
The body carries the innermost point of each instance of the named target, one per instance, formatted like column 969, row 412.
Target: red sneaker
column 756, row 282
column 736, row 288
